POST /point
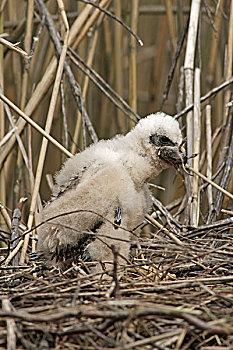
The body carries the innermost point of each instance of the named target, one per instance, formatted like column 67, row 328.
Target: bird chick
column 101, row 195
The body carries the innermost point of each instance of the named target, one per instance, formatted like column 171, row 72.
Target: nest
column 169, row 296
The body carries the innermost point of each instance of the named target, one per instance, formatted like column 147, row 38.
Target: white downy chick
column 106, row 185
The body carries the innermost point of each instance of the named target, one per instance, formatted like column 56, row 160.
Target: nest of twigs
column 170, row 297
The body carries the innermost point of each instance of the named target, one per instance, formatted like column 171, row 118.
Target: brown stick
column 15, row 228
column 168, row 233
column 120, row 315
column 209, row 181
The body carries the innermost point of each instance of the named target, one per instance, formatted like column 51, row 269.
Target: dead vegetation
column 75, row 70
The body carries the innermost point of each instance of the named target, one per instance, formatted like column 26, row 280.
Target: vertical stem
column 180, row 98
column 196, row 146
column 171, row 26
column 214, row 45
column 229, row 73
column 6, row 216
column 118, row 61
column 230, row 43
column 2, row 123
column 46, row 81
column 85, row 85
column 27, row 47
column 48, row 125
column 11, row 325
column 16, row 64
column 180, row 19
column 159, row 57
column 209, row 155
column 189, row 118
column 132, row 59
column 86, row 27
column 189, row 67
column 230, row 58
column 16, row 217
column 188, row 71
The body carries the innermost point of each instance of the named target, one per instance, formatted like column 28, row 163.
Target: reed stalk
column 118, row 54
column 209, row 155
column 35, row 125
column 229, row 69
column 171, row 25
column 48, row 125
column 27, row 47
column 90, row 59
column 16, row 64
column 89, row 23
column 196, row 146
column 189, row 68
column 189, row 94
column 2, row 123
column 219, row 188
column 5, row 216
column 45, row 82
column 133, row 58
column 159, row 56
column 215, row 37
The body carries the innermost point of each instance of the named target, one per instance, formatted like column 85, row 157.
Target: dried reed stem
column 5, row 215
column 225, row 180
column 13, row 47
column 44, row 85
column 214, row 45
column 196, row 147
column 13, row 253
column 2, row 123
column 209, row 155
column 188, row 72
column 229, row 70
column 90, row 59
column 35, row 99
column 228, row 194
column 171, row 24
column 207, row 96
column 48, row 125
column 168, row 233
column 188, row 69
column 20, row 143
column 156, row 82
column 103, row 86
column 35, row 125
column 27, row 46
column 89, row 23
column 11, row 325
column 132, row 58
column 16, row 217
column 75, row 88
column 13, row 59
column 7, row 136
column 230, row 43
column 118, row 61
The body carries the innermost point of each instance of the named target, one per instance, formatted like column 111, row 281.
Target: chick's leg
column 101, row 249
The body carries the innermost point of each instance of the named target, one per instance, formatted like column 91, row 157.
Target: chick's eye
column 165, row 140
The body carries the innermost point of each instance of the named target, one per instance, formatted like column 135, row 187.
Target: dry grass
column 177, row 292
column 170, row 297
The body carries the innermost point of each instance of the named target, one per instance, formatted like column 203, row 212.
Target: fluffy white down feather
column 108, row 178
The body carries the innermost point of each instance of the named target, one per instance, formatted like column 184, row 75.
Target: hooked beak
column 182, row 149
